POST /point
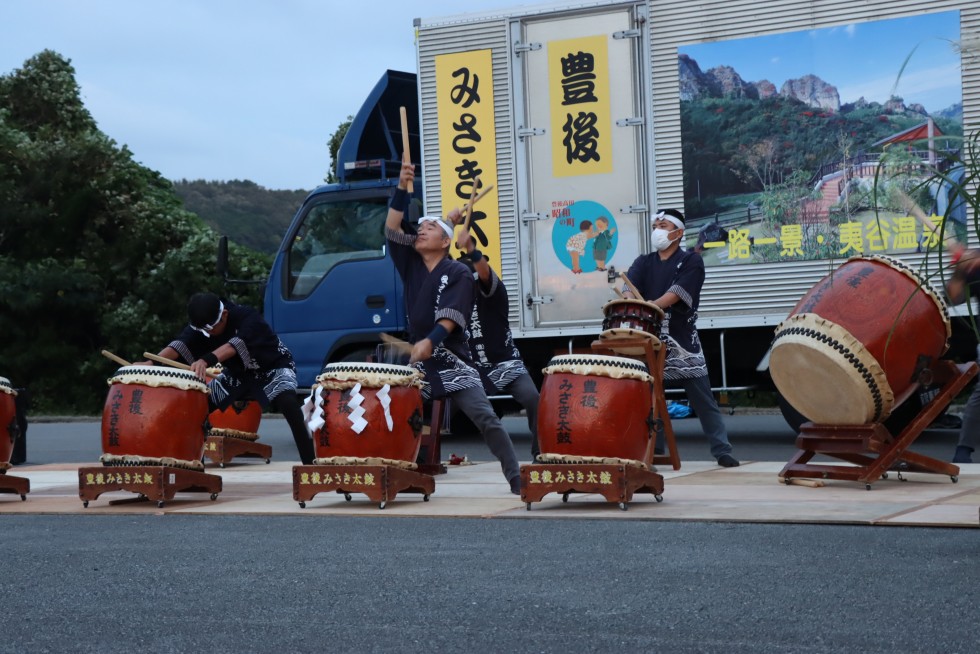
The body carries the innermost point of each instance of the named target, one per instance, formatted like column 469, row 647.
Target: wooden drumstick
column 406, row 145
column 799, row 481
column 469, row 205
column 920, row 215
column 169, row 362
column 398, row 343
column 112, row 357
column 619, row 292
column 632, row 288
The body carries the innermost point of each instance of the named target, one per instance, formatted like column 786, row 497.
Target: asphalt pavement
column 226, row 583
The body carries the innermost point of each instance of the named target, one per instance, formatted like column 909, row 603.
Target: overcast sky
column 224, row 89
column 253, row 89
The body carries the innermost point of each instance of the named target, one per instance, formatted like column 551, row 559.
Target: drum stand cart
column 616, row 482
column 151, row 482
column 11, row 484
column 872, row 448
column 221, row 448
column 380, row 479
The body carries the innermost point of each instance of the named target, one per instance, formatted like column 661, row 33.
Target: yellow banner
column 468, row 142
column 578, row 85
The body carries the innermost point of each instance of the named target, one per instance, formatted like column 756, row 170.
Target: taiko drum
column 239, row 418
column 596, row 405
column 367, row 410
column 628, row 319
column 155, row 412
column 8, row 420
column 855, row 346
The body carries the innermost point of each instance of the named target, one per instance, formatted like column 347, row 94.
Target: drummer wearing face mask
column 671, row 277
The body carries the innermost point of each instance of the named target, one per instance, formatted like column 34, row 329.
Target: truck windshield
column 331, row 233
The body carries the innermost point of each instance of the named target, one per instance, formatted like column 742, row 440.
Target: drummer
column 671, row 277
column 439, row 300
column 492, row 347
column 256, row 364
column 964, row 285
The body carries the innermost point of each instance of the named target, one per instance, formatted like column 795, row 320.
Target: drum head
column 6, row 387
column 828, row 375
column 600, row 365
column 625, row 304
column 159, row 377
column 342, row 375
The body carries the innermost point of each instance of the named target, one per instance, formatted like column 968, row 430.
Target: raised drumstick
column 632, row 288
column 469, row 205
column 406, row 145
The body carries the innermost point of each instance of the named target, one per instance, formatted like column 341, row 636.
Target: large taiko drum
column 595, row 405
column 630, row 319
column 367, row 410
column 854, row 347
column 153, row 412
column 8, row 421
column 241, row 419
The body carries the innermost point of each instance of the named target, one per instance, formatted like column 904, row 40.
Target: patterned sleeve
column 402, row 248
column 455, row 295
column 190, row 344
column 688, row 279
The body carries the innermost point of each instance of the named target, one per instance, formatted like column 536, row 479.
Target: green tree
column 334, row 145
column 95, row 250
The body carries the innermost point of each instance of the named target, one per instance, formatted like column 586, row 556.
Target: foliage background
column 96, row 251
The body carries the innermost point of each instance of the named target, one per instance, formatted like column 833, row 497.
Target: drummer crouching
column 672, row 277
column 256, row 365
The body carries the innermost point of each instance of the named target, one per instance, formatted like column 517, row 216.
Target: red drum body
column 595, row 405
column 367, row 410
column 630, row 319
column 8, row 420
column 241, row 417
column 854, row 347
column 155, row 412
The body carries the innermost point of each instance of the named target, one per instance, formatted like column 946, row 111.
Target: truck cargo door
column 581, row 139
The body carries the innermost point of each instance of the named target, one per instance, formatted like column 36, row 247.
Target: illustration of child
column 603, row 242
column 576, row 244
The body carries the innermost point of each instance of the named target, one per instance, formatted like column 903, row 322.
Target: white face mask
column 661, row 239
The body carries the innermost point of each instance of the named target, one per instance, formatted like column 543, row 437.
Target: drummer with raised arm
column 671, row 278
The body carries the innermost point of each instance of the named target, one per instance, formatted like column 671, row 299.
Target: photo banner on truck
column 578, row 81
column 810, row 144
column 468, row 142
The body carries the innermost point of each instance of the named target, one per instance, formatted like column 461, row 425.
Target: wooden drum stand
column 11, row 484
column 221, row 448
column 150, row 482
column 616, row 482
column 872, row 448
column 380, row 479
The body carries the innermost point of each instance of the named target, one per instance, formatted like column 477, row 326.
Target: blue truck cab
column 333, row 287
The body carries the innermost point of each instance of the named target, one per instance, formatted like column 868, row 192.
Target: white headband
column 671, row 219
column 439, row 221
column 205, row 328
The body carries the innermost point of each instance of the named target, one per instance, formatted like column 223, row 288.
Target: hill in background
column 248, row 214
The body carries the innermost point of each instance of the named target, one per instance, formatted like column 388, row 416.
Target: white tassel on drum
column 385, row 399
column 313, row 409
column 356, row 417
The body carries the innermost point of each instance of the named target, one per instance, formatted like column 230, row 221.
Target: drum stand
column 430, row 451
column 380, row 483
column 150, row 482
column 11, row 484
column 871, row 448
column 616, row 482
column 222, row 448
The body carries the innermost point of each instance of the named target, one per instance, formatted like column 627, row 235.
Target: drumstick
column 396, row 342
column 920, row 215
column 406, row 145
column 632, row 288
column 169, row 362
column 112, row 357
column 619, row 292
column 469, row 205
column 799, row 481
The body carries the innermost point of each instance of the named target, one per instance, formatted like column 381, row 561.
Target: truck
column 571, row 112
